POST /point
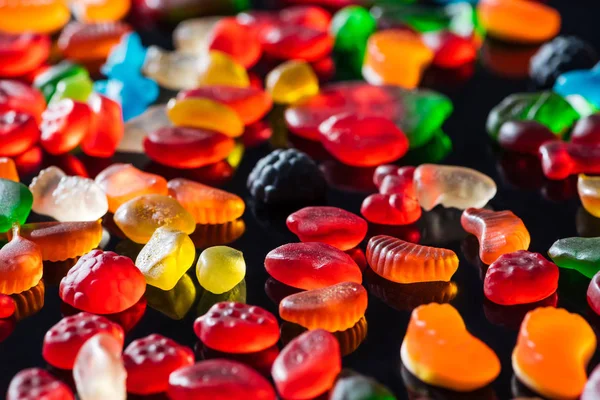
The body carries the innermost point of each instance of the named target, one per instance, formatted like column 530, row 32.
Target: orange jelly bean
column 8, row 169
column 94, row 11
column 498, row 232
column 404, row 262
column 552, row 352
column 90, row 42
column 20, row 265
column 519, row 21
column 334, row 308
column 205, row 114
column 37, row 16
column 208, row 205
column 438, row 349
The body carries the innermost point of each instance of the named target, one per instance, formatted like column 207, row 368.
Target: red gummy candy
column 17, row 96
column 395, row 209
column 37, row 384
column 450, row 49
column 22, row 53
column 107, row 129
column 311, row 265
column 308, row 365
column 102, row 282
column 63, row 341
column 7, row 306
column 219, row 379
column 237, row 40
column 256, row 134
column 295, row 42
column 593, row 293
column 18, row 133
column 561, row 159
column 359, row 257
column 334, row 226
column 237, row 328
column 391, row 179
column 187, row 147
column 64, row 125
column 524, row 136
column 149, row 361
column 587, row 130
column 308, row 16
column 519, row 278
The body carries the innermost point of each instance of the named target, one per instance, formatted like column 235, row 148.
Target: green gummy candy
column 580, row 254
column 76, row 87
column 15, row 204
column 433, row 152
column 48, row 80
column 358, row 387
column 351, row 27
column 426, row 111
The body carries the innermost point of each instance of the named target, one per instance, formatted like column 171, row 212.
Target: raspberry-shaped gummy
column 37, row 384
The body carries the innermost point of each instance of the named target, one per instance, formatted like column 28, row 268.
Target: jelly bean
column 37, row 380
column 524, row 136
column 63, row 341
column 237, row 328
column 450, row 186
column 308, row 365
column 95, row 11
column 220, row 268
column 98, row 371
column 219, row 379
column 22, row 53
column 166, row 257
column 560, row 159
column 553, row 368
column 19, row 97
column 438, row 349
column 102, row 283
column 77, row 88
column 292, row 81
column 18, row 133
column 123, row 182
column 577, row 253
column 498, row 232
column 108, row 130
column 237, row 40
column 588, row 188
column 352, row 386
column 592, row 387
column 187, row 147
column 15, row 204
column 450, row 50
column 48, row 79
column 20, row 265
column 37, row 16
column 333, row 308
column 508, row 280
column 208, row 205
column 7, row 306
column 295, row 42
column 192, row 35
column 205, row 114
column 64, row 125
column 90, row 42
column 330, row 225
column 140, row 217
column 150, row 360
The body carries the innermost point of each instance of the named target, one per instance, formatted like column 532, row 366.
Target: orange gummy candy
column 20, row 265
column 93, row 11
column 90, row 42
column 440, row 351
column 405, row 262
column 208, row 205
column 552, row 352
column 33, row 16
column 498, row 232
column 8, row 169
column 334, row 308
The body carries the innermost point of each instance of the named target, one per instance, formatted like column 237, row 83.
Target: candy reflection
column 220, row 234
column 54, row 271
column 29, row 302
column 359, row 257
column 262, row 361
column 174, row 303
column 587, row 225
column 441, row 226
column 208, row 299
column 434, row 151
column 7, row 326
column 215, row 174
column 506, row 60
column 409, row 233
column 127, row 319
column 512, row 316
column 521, row 391
column 256, row 134
column 277, row 291
column 128, row 248
column 470, row 249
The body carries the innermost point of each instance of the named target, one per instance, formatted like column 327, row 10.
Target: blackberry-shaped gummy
column 286, row 177
column 563, row 54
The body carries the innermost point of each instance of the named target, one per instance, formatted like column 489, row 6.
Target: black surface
column 550, row 210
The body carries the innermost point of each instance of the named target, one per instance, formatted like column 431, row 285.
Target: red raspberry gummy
column 7, row 306
column 102, row 282
column 391, row 179
column 237, row 328
column 37, row 384
column 397, row 209
column 149, row 361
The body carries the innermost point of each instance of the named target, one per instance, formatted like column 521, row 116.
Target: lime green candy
column 220, row 269
column 577, row 253
column 352, row 386
column 76, row 87
column 48, row 80
column 15, row 204
column 351, row 27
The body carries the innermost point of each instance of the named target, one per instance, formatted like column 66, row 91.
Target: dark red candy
column 308, row 365
column 291, row 42
column 237, row 40
column 359, row 257
column 18, row 133
column 587, row 130
column 256, row 134
column 17, row 96
column 396, row 209
column 331, row 225
column 524, row 136
column 149, row 361
column 63, row 341
column 237, row 328
column 382, row 171
column 37, row 384
column 450, row 50
column 64, row 125
column 22, row 53
column 593, row 293
column 219, row 379
column 7, row 306
column 391, row 179
column 308, row 16
column 519, row 278
column 107, row 129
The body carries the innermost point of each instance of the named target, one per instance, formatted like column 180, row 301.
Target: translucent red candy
column 391, row 179
column 561, row 159
column 7, row 306
column 363, row 140
column 519, row 278
column 308, row 365
column 593, row 294
column 18, row 133
column 524, row 136
column 150, row 360
column 63, row 341
column 296, row 42
column 237, row 328
column 237, row 40
column 103, row 282
column 22, row 53
column 311, row 265
column 307, row 16
column 107, row 128
column 37, row 384
column 331, row 225
column 219, row 379
column 450, row 49
column 187, row 147
column 587, row 130
column 64, row 125
column 395, row 209
column 17, row 96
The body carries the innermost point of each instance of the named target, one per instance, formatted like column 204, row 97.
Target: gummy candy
column 524, row 136
column 219, row 379
column 404, row 262
column 587, row 130
column 498, row 232
column 7, row 306
column 166, row 257
column 592, row 389
column 214, row 235
column 351, row 27
column 553, row 368
column 192, row 35
column 98, row 371
column 220, row 268
column 19, row 97
column 391, row 179
column 98, row 11
column 77, row 88
column 18, row 132
column 296, row 42
column 102, row 282
column 561, row 159
column 36, row 16
column 352, row 386
column 584, row 83
column 438, row 349
column 140, row 217
column 64, row 125
column 208, row 205
column 67, row 198
column 580, row 254
column 108, row 130
column 175, row 303
column 292, row 81
column 311, row 265
column 588, row 188
column 150, row 360
column 205, row 114
column 333, row 308
column 29, row 302
column 237, row 40
column 450, row 50
column 36, row 380
column 137, row 128
column 593, row 294
column 451, row 186
column 22, row 53
column 307, row 366
column 20, row 265
column 47, row 80
column 237, row 328
column 63, row 341
column 123, row 182
column 90, row 42
column 330, row 225
column 519, row 278
column 15, row 204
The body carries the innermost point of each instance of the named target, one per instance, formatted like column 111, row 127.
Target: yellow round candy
column 217, row 68
column 206, row 114
column 292, row 81
column 220, row 268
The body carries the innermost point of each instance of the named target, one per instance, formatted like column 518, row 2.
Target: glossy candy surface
column 18, row 96
column 37, row 382
column 18, row 132
column 292, row 81
column 561, row 159
column 8, row 169
column 22, row 53
column 593, row 294
column 220, row 268
column 37, row 16
column 230, row 37
column 7, row 306
column 588, row 188
column 205, row 114
column 592, row 387
column 584, row 83
column 90, row 42
column 20, row 265
column 587, row 130
column 524, row 136
column 289, row 42
column 48, row 79
column 64, row 125
column 578, row 253
column 15, row 203
column 450, row 50
column 104, row 137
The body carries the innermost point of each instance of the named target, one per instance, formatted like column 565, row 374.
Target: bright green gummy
column 48, row 80
column 426, row 111
column 15, row 203
column 352, row 386
column 77, row 87
column 432, row 152
column 547, row 108
column 580, row 254
column 351, row 28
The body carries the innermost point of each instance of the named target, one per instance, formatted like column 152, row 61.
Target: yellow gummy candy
column 206, row 114
column 220, row 268
column 292, row 81
column 217, row 68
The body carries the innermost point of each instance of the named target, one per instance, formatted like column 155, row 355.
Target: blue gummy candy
column 585, row 83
